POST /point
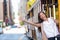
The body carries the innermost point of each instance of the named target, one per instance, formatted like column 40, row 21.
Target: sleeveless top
column 50, row 28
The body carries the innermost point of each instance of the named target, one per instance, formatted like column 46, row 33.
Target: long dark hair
column 39, row 19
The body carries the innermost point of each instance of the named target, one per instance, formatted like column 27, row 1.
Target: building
column 9, row 9
column 22, row 8
column 1, row 10
column 6, row 9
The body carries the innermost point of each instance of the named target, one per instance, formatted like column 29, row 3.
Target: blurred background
column 12, row 10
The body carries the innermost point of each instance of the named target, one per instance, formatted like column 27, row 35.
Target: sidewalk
column 14, row 34
column 16, row 30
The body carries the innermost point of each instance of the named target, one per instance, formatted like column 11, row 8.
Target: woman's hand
column 21, row 19
column 32, row 23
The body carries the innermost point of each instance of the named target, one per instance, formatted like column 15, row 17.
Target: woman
column 6, row 21
column 48, row 26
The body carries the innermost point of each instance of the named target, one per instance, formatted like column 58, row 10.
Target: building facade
column 1, row 10
column 6, row 9
column 9, row 8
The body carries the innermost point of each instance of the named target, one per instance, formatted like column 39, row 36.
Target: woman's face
column 42, row 16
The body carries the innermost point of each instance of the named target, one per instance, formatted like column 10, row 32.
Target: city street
column 29, row 19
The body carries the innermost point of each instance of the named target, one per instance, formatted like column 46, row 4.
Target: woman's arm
column 32, row 23
column 56, row 21
column 44, row 37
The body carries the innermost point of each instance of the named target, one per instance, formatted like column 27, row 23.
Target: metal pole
column 54, row 14
column 50, row 11
column 59, row 12
column 47, row 7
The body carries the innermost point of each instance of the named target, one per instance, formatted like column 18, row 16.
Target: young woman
column 48, row 26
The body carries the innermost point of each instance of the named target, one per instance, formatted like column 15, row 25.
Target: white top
column 50, row 28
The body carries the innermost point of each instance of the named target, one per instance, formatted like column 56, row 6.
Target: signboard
column 30, row 3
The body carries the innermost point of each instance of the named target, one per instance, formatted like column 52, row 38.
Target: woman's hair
column 39, row 19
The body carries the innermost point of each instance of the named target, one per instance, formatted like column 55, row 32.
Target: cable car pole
column 47, row 7
column 54, row 14
column 59, row 12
